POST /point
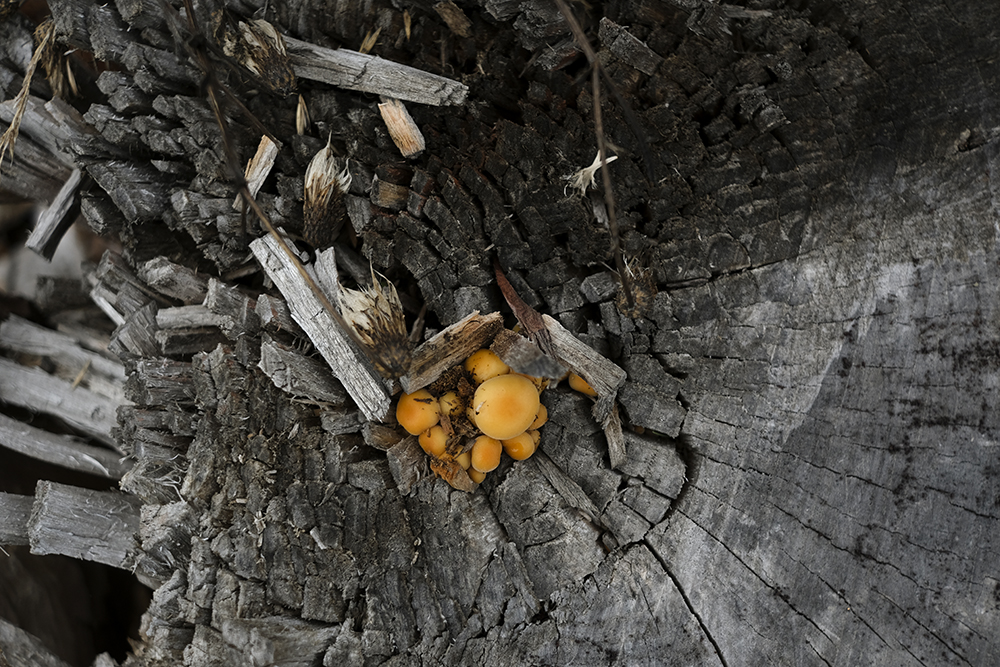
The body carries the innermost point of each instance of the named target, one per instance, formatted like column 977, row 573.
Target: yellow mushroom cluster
column 481, row 402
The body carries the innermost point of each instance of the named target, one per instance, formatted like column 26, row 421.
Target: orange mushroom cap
column 418, row 411
column 485, row 364
column 486, row 453
column 505, row 406
column 581, row 385
column 540, row 418
column 433, row 441
column 520, row 446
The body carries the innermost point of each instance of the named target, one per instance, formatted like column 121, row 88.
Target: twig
column 609, row 198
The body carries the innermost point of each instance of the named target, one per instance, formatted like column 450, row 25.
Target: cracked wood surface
column 813, row 476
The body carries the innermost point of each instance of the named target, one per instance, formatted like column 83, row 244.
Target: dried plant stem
column 609, row 197
column 44, row 33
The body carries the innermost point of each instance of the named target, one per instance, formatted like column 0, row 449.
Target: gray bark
column 806, row 469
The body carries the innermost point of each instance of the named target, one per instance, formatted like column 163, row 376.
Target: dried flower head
column 259, row 47
column 584, row 178
column 376, row 316
column 323, row 207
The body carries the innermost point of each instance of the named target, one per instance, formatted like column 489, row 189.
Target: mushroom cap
column 476, row 476
column 486, row 453
column 418, row 411
column 451, row 404
column 433, row 441
column 521, row 446
column 540, row 418
column 505, row 406
column 464, row 459
column 484, row 364
column 581, row 385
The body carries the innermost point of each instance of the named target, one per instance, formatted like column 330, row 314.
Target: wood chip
column 99, row 526
column 258, row 168
column 299, row 375
column 61, row 450
column 456, row 19
column 36, row 390
column 56, row 220
column 402, row 128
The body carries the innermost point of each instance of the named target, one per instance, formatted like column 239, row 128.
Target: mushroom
column 505, row 406
column 484, row 364
column 581, row 385
column 521, row 446
column 486, row 453
column 433, row 441
column 540, row 418
column 418, row 411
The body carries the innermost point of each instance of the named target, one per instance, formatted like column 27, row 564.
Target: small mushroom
column 521, row 446
column 578, row 383
column 486, row 453
column 484, row 364
column 418, row 411
column 433, row 441
column 540, row 418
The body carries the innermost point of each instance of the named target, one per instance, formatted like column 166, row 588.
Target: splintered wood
column 403, row 130
column 350, row 365
column 370, row 74
column 450, row 347
column 259, row 167
column 603, row 375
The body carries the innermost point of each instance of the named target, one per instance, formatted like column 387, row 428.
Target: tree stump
column 806, row 209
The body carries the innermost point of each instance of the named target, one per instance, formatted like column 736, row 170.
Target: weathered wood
column 814, row 259
column 60, row 450
column 274, row 316
column 450, row 347
column 72, row 362
column 174, row 280
column 298, row 375
column 523, row 356
column 349, row 365
column 14, row 513
column 23, row 648
column 36, row 390
column 603, row 375
column 99, row 526
column 54, row 221
column 370, row 74
column 259, row 167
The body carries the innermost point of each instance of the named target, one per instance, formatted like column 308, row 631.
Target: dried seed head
column 584, row 178
column 301, row 116
column 376, row 316
column 259, row 47
column 643, row 286
column 323, row 207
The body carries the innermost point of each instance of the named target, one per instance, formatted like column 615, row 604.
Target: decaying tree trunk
column 807, row 203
